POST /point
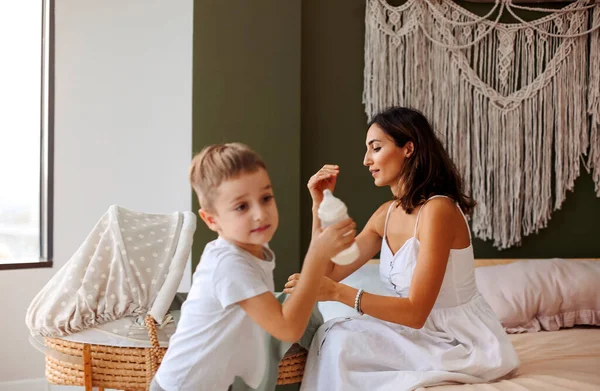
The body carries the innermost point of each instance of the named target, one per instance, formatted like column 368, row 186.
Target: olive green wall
column 286, row 77
column 247, row 88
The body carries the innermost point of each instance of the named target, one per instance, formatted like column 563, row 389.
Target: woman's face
column 383, row 158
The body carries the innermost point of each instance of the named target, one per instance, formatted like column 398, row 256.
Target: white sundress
column 462, row 340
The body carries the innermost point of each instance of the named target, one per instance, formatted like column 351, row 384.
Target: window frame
column 46, row 145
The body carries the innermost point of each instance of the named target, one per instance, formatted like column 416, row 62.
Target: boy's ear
column 209, row 219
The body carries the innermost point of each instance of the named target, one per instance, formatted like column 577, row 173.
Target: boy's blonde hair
column 218, row 163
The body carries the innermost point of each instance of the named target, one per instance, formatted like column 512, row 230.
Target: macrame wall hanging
column 516, row 105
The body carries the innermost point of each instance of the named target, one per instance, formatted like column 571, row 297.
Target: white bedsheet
column 567, row 359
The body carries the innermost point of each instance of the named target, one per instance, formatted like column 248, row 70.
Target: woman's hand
column 327, row 291
column 325, row 178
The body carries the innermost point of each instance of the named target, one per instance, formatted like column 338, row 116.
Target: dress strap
column 466, row 222
column 387, row 216
column 419, row 213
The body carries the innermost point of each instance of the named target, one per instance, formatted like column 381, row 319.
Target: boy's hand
column 328, row 242
column 327, row 289
column 325, row 178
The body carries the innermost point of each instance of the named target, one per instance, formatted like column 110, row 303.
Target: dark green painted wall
column 247, row 88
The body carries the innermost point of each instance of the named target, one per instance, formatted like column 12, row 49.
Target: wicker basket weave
column 291, row 367
column 121, row 368
column 131, row 369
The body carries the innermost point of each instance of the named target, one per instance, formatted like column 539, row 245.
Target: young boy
column 221, row 333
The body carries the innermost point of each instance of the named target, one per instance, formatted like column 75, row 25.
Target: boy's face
column 244, row 211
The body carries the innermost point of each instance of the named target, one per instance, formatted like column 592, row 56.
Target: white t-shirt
column 215, row 339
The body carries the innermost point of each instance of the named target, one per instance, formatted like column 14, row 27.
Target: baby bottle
column 331, row 211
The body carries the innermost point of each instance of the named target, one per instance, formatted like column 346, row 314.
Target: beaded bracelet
column 357, row 300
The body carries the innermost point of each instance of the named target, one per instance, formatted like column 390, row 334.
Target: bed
column 565, row 359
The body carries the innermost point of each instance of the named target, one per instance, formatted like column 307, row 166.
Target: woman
column 434, row 327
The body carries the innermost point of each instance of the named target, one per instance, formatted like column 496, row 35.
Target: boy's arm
column 288, row 322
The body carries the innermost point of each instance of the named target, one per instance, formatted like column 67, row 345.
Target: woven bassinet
column 131, row 369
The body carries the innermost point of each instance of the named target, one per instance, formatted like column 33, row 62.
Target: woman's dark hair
column 428, row 171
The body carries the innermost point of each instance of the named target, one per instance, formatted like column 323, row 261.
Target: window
column 26, row 133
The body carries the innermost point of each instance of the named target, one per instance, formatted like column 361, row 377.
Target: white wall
column 123, row 135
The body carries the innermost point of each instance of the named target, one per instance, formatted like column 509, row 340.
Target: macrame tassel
column 508, row 101
column 593, row 161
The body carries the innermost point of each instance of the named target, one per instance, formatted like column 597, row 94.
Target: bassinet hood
column 129, row 265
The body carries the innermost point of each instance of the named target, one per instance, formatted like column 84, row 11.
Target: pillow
column 366, row 278
column 542, row 294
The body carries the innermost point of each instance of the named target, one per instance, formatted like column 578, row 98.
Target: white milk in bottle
column 331, row 211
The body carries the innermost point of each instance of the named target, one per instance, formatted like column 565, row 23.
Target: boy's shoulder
column 222, row 255
column 221, row 250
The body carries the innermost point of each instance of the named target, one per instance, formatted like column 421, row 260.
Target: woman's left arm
column 436, row 236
